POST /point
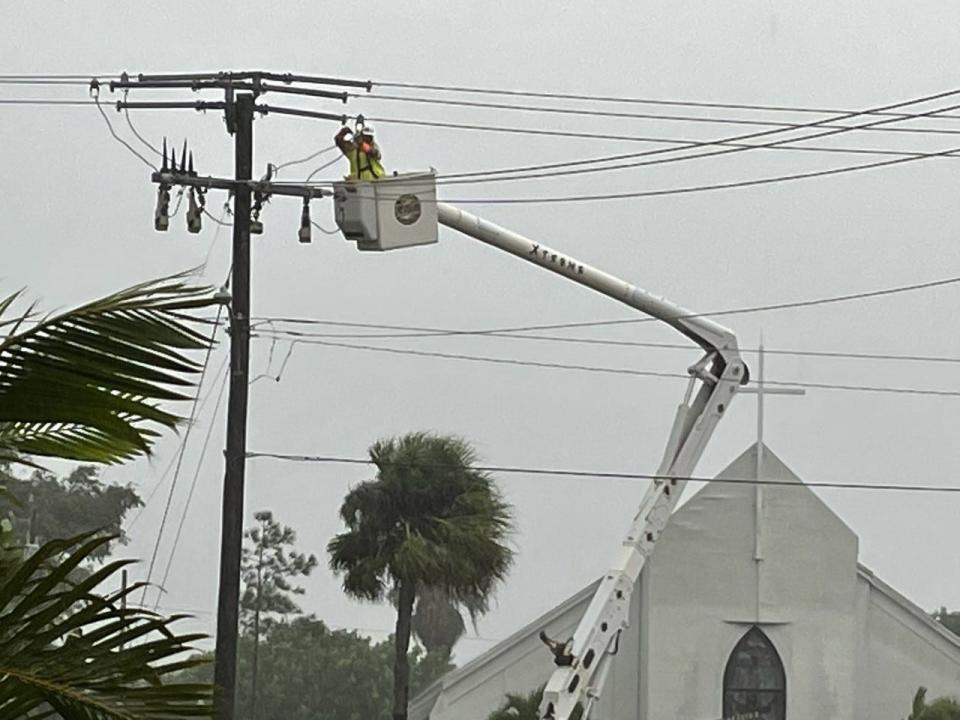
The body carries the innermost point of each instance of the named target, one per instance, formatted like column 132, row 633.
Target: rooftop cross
column 761, row 390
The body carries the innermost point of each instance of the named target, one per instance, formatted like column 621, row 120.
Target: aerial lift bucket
column 392, row 212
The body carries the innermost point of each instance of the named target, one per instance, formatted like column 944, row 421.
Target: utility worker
column 362, row 151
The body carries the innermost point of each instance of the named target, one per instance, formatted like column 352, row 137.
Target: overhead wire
column 163, row 476
column 613, row 371
column 689, row 189
column 764, row 133
column 552, row 110
column 128, row 146
column 308, row 158
column 45, row 82
column 621, row 99
column 193, row 487
column 216, row 233
column 791, row 304
column 86, row 77
column 903, row 156
column 319, row 169
column 563, row 472
column 415, row 332
column 701, row 188
column 180, row 454
column 43, row 101
column 143, row 141
column 322, row 229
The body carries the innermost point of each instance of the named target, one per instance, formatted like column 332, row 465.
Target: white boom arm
column 584, row 660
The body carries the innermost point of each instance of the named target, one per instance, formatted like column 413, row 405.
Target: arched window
column 754, row 684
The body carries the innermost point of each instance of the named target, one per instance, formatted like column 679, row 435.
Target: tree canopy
column 429, row 519
column 309, row 671
column 950, row 620
column 944, row 708
column 520, row 706
column 269, row 566
column 56, row 507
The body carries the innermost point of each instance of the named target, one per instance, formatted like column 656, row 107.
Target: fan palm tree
column 428, row 519
column 86, row 384
column 437, row 622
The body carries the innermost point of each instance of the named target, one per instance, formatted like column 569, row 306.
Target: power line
column 321, row 168
column 183, row 447
column 143, row 141
column 322, row 229
column 425, row 332
column 777, row 131
column 43, row 101
column 334, row 628
column 8, row 81
column 828, row 300
column 173, row 459
column 650, row 116
column 86, row 77
column 735, row 141
column 193, row 487
column 616, row 99
column 308, row 158
column 900, row 487
column 777, row 143
column 695, row 188
column 614, row 371
column 461, row 178
column 128, row 146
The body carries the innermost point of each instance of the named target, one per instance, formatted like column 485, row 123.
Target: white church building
column 754, row 600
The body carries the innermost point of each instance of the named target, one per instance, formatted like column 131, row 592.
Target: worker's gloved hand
column 344, row 131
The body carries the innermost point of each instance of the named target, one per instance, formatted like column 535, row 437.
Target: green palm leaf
column 68, row 652
column 86, row 384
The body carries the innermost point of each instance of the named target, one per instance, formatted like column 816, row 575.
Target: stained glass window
column 754, row 684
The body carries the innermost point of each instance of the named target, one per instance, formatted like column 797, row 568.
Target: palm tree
column 517, row 706
column 437, row 622
column 428, row 519
column 944, row 708
column 68, row 652
column 85, row 384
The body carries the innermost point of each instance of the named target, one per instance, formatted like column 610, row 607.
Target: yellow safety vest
column 364, row 166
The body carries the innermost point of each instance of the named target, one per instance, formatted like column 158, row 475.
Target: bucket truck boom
column 583, row 661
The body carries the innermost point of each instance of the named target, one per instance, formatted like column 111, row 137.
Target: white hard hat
column 366, row 130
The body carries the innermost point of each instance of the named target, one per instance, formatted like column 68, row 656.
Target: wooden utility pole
column 231, row 535
column 241, row 89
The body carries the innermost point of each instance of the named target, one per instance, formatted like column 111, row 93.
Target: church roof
column 906, row 604
column 429, row 695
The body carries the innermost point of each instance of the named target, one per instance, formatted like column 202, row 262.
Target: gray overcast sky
column 77, row 211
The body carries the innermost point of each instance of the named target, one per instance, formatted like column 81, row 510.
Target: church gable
column 747, row 544
column 745, row 578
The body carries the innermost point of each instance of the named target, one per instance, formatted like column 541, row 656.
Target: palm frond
column 86, row 384
column 66, row 650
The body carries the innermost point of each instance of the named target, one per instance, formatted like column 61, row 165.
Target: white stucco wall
column 903, row 651
column 706, row 590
